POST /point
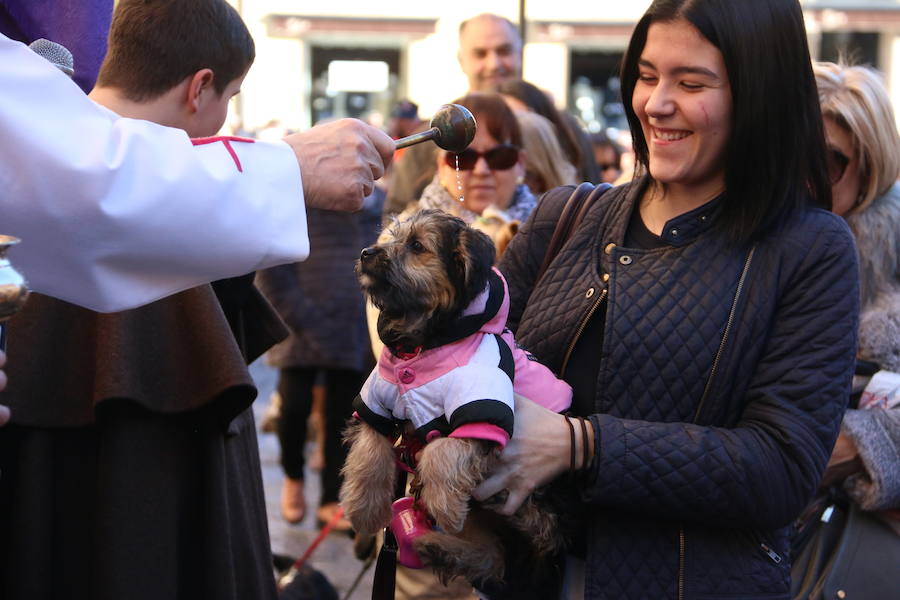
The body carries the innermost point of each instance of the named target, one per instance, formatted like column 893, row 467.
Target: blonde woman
column 546, row 166
column 864, row 164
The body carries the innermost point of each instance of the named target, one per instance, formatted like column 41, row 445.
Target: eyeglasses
column 498, row 158
column 837, row 163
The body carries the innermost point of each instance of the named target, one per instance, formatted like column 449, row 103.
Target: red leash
column 298, row 564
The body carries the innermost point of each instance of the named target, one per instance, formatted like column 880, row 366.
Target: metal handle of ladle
column 417, row 138
column 452, row 128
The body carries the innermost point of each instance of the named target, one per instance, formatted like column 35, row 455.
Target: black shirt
column 583, row 367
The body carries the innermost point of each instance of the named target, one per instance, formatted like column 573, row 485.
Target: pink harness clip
column 408, row 523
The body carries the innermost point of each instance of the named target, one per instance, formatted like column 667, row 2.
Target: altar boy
column 131, row 467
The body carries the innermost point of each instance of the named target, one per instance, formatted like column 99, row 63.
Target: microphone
column 56, row 54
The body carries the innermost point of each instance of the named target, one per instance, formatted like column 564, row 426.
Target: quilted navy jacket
column 724, row 374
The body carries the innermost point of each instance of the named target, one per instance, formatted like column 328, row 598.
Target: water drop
column 459, row 181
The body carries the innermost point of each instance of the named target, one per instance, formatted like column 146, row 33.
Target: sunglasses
column 837, row 163
column 498, row 158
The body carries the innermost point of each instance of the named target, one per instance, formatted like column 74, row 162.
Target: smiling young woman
column 767, row 154
column 682, row 99
column 691, row 311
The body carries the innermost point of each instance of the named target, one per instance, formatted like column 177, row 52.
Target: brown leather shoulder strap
column 573, row 213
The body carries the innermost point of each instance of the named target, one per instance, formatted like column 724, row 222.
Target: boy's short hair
column 155, row 44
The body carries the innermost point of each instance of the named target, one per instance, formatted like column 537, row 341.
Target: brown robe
column 131, row 467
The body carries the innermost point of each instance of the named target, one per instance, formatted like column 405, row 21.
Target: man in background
column 490, row 52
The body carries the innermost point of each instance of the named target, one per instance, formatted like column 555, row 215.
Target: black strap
column 507, row 362
column 576, row 207
column 384, row 581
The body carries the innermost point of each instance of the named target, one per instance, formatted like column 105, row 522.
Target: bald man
column 490, row 51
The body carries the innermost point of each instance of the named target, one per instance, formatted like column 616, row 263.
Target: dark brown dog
column 422, row 277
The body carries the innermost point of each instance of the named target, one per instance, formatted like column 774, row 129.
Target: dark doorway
column 594, row 95
column 855, row 47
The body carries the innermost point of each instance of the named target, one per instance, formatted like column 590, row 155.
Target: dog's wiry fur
column 429, row 270
column 422, row 275
column 446, row 476
column 368, row 488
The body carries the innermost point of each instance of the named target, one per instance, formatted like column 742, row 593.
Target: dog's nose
column 368, row 253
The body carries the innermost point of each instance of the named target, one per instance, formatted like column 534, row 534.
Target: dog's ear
column 474, row 255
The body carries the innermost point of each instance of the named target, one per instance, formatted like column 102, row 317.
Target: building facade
column 353, row 58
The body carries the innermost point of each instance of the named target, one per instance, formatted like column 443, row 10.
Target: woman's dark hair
column 492, row 112
column 775, row 160
column 538, row 101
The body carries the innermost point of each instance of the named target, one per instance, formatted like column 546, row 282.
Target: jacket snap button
column 609, row 248
column 605, row 277
column 674, row 232
column 703, row 218
column 589, row 293
column 625, row 260
column 406, row 376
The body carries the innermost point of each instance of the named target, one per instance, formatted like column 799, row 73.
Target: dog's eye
column 416, row 246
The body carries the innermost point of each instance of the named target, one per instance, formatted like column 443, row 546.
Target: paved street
column 334, row 556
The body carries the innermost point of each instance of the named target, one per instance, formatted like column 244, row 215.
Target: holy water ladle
column 452, row 128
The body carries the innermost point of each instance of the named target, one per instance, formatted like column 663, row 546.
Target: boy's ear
column 200, row 84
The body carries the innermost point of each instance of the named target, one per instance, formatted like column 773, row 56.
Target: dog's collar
column 405, row 352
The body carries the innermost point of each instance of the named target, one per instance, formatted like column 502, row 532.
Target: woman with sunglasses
column 491, row 170
column 864, row 164
column 704, row 314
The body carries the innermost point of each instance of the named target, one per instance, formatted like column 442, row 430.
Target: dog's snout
column 368, row 253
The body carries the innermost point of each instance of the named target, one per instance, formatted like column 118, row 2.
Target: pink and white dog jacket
column 463, row 388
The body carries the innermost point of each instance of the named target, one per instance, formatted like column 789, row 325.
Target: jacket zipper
column 776, row 558
column 731, row 314
column 580, row 330
column 715, row 367
column 681, row 562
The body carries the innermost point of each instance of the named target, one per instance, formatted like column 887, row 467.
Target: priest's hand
column 340, row 161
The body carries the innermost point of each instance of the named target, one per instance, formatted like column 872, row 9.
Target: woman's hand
column 538, row 452
column 844, row 461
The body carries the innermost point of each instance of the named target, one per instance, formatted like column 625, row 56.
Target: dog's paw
column 369, row 475
column 449, row 469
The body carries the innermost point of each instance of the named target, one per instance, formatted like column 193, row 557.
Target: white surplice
column 114, row 213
